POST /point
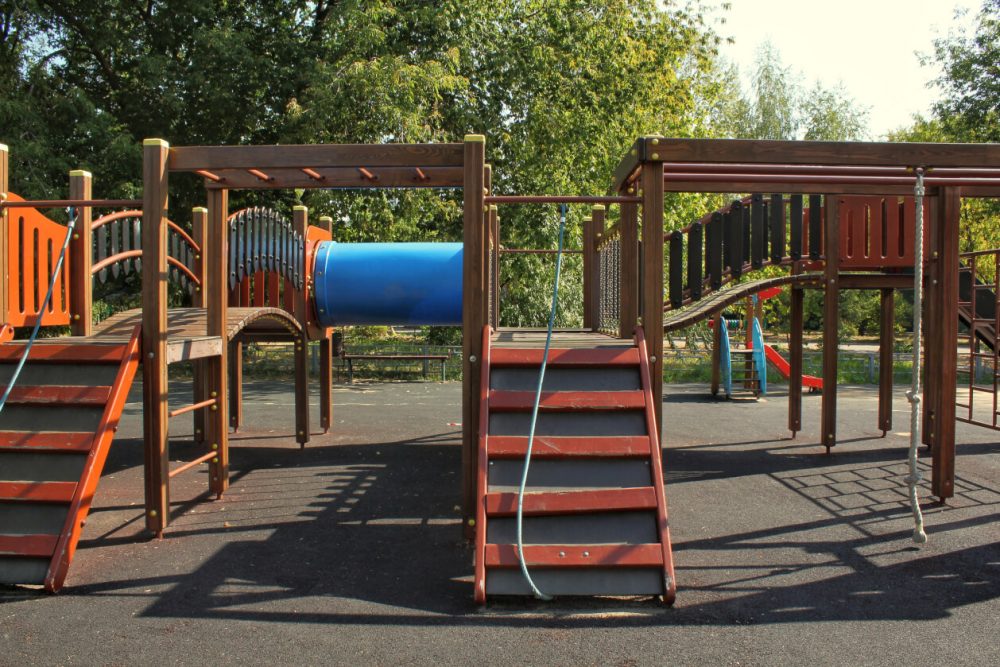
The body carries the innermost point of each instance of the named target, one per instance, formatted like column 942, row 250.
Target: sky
column 868, row 45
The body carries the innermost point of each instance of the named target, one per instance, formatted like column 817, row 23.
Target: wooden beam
column 628, row 266
column 831, row 320
column 81, row 283
column 472, row 321
column 887, row 325
column 216, row 300
column 877, row 281
column 836, row 153
column 199, row 231
column 626, row 168
column 795, row 357
column 300, row 222
column 155, row 188
column 652, row 279
column 4, row 233
column 326, row 382
column 736, row 186
column 340, row 177
column 315, row 156
column 488, row 213
column 946, row 226
column 592, row 226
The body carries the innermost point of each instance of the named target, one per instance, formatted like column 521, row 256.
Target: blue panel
column 726, row 358
column 759, row 360
column 388, row 283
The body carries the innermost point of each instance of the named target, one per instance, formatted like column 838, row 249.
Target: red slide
column 779, row 362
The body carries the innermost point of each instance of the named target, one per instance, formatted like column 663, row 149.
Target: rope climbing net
column 609, row 307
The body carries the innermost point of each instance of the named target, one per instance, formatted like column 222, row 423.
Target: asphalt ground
column 350, row 551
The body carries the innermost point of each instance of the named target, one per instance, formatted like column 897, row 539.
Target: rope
column 534, row 414
column 45, row 304
column 914, row 395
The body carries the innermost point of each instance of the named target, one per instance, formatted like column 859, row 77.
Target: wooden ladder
column 595, row 514
column 55, row 433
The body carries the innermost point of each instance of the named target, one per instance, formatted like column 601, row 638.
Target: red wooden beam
column 545, row 446
column 561, row 199
column 64, row 203
column 574, row 555
column 567, row 400
column 64, row 353
column 49, row 441
column 613, row 356
column 59, row 395
column 30, row 546
column 572, row 502
column 46, row 492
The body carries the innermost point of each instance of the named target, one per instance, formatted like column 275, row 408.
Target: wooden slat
column 316, row 156
column 604, row 555
column 64, row 353
column 28, row 545
column 572, row 502
column 56, row 442
column 544, row 446
column 622, row 356
column 48, row 492
column 342, row 177
column 59, row 395
column 567, row 400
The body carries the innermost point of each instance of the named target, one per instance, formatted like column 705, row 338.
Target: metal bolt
column 197, row 431
column 215, row 459
column 934, row 282
column 76, row 237
column 150, row 355
column 655, row 142
column 215, row 445
column 652, row 358
column 76, row 316
column 214, row 408
column 562, row 554
column 586, row 554
column 302, row 432
column 655, row 156
column 152, row 512
column 472, row 522
column 213, row 394
column 215, row 478
column 472, row 358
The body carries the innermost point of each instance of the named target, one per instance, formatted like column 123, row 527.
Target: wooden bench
column 349, row 359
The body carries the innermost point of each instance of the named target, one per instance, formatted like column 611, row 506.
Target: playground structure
column 595, row 515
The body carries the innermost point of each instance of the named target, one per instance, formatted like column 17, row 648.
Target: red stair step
column 64, row 353
column 567, row 400
column 600, row 356
column 78, row 442
column 546, row 446
column 60, row 395
column 48, row 492
column 575, row 555
column 28, row 545
column 572, row 502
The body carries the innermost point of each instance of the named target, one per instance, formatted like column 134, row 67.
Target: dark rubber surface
column 350, row 551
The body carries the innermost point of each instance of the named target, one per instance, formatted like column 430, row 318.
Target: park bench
column 350, row 359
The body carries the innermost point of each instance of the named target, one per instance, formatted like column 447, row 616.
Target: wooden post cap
column 493, row 207
column 3, row 148
column 199, row 209
column 476, row 138
column 155, row 142
column 300, row 207
column 80, row 173
column 599, row 207
column 325, row 218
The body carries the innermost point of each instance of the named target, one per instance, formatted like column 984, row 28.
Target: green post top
column 80, row 173
column 599, row 207
column 300, row 207
column 155, row 142
column 476, row 138
column 493, row 207
column 3, row 148
column 325, row 218
column 200, row 209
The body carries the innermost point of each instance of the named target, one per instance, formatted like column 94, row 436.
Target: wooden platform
column 561, row 339
column 186, row 329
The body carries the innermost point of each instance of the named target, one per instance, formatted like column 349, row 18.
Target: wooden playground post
column 795, row 357
column 474, row 167
column 300, row 222
column 4, row 235
column 628, row 266
column 154, row 332
column 81, row 284
column 216, row 295
column 488, row 212
column 887, row 324
column 495, row 281
column 652, row 278
column 831, row 319
column 325, row 357
column 945, row 220
column 199, row 231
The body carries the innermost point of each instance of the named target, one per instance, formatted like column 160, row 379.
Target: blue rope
column 41, row 312
column 534, row 413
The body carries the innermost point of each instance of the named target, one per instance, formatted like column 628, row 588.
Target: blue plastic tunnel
column 388, row 283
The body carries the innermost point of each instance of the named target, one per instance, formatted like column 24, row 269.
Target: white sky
column 868, row 45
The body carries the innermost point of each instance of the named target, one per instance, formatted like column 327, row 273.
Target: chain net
column 609, row 307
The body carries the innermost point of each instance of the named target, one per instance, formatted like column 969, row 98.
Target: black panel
column 815, row 226
column 610, row 378
column 597, row 581
column 604, row 528
column 758, row 230
column 715, row 258
column 616, row 422
column 776, row 209
column 569, row 474
column 736, row 240
column 676, row 264
column 795, row 226
column 745, row 227
column 694, row 260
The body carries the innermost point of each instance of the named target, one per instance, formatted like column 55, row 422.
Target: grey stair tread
column 566, row 474
column 566, row 379
column 625, row 422
column 31, row 466
column 84, row 375
column 577, row 581
column 42, row 417
column 31, row 518
column 22, row 570
column 635, row 527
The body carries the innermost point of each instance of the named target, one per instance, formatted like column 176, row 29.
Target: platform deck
column 561, row 339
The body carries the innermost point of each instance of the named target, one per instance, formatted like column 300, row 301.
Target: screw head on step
column 472, row 522
column 472, row 358
column 152, row 512
column 562, row 554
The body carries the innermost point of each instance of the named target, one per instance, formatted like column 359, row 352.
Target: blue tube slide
column 388, row 284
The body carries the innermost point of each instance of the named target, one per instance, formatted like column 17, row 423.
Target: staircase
column 55, row 432
column 595, row 515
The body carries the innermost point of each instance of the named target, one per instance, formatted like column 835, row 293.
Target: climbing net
column 609, row 306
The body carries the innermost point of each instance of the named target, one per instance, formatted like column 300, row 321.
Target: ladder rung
column 567, row 400
column 601, row 356
column 575, row 555
column 572, row 502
